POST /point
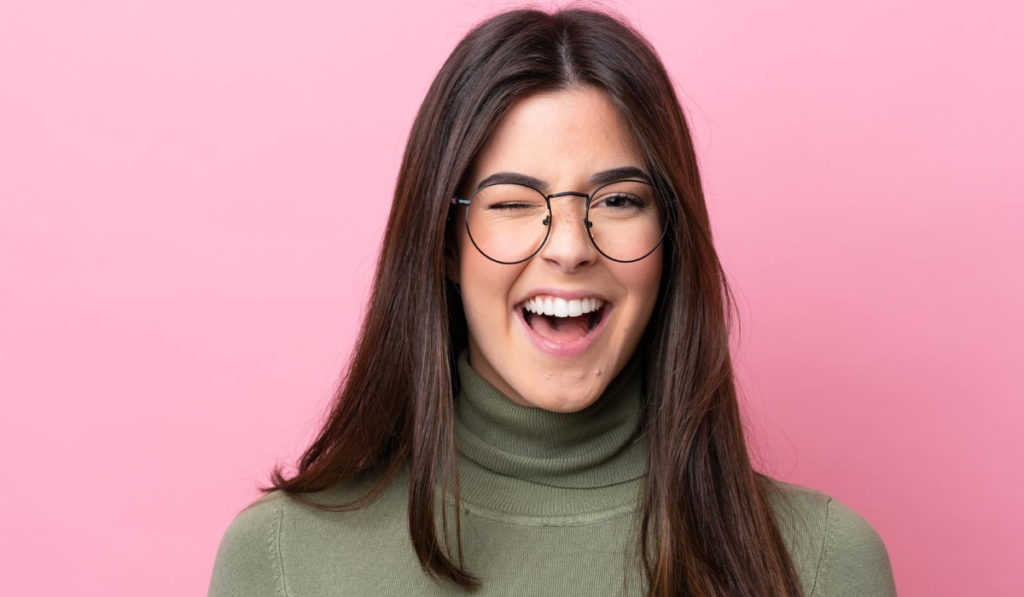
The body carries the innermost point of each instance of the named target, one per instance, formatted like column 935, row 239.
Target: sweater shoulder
column 248, row 557
column 834, row 549
column 285, row 544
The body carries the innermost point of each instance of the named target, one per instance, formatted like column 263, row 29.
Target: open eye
column 618, row 201
column 623, row 199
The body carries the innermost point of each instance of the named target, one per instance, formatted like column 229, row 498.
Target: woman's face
column 563, row 139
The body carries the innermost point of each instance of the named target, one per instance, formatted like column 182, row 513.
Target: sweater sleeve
column 854, row 561
column 248, row 562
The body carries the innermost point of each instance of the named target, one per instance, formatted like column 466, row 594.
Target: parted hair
column 707, row 527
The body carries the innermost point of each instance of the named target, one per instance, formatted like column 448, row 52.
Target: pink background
column 192, row 195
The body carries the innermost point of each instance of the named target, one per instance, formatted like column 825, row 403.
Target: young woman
column 541, row 400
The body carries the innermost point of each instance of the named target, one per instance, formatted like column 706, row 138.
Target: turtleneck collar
column 549, row 456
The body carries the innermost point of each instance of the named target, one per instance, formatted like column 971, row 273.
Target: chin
column 564, row 388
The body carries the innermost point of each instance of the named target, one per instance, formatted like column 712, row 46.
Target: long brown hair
column 707, row 527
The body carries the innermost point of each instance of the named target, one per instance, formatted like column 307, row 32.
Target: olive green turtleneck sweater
column 550, row 506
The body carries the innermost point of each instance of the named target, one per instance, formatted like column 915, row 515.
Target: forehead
column 561, row 137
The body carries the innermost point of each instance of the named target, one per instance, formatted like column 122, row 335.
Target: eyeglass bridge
column 547, row 219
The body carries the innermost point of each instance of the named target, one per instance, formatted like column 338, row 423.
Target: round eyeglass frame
column 547, row 220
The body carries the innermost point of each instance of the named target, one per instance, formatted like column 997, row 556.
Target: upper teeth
column 560, row 307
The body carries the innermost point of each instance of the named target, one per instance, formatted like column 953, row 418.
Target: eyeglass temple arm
column 457, row 201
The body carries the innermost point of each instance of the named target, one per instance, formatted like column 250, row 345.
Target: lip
column 566, row 349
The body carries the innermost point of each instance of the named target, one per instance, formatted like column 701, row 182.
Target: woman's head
column 558, row 98
column 559, row 361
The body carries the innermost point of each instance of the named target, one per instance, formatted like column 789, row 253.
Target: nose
column 568, row 246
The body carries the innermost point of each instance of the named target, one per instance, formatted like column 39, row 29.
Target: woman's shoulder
column 246, row 562
column 835, row 550
column 272, row 533
column 267, row 513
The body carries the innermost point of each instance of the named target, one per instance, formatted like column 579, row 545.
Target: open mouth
column 563, row 321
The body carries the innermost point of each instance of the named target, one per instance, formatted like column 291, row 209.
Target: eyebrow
column 599, row 178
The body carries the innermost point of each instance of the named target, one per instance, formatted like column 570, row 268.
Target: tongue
column 560, row 329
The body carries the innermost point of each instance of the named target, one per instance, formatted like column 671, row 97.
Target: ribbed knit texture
column 527, row 461
column 550, row 506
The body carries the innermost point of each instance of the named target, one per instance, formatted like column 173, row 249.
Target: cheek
column 644, row 279
column 653, row 274
column 484, row 284
column 644, row 282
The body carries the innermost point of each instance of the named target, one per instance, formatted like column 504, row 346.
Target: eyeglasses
column 510, row 222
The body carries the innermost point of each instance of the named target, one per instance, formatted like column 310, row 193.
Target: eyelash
column 633, row 200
